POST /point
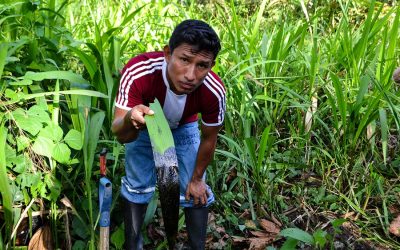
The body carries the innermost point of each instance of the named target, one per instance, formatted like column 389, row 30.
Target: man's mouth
column 187, row 86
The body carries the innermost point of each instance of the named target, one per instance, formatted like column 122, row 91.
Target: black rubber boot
column 196, row 226
column 133, row 219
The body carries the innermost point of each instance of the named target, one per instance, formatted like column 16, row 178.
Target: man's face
column 186, row 69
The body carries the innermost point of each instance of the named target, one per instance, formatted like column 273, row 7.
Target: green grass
column 309, row 93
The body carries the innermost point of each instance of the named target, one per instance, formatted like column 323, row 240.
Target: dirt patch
column 265, row 233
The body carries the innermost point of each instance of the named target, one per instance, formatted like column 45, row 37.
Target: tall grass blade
column 354, row 206
column 110, row 86
column 5, row 188
column 340, row 98
column 361, row 46
column 88, row 61
column 83, row 92
column 369, row 115
column 256, row 27
column 384, row 133
column 251, row 150
column 91, row 139
column 1, row 242
column 263, row 147
column 60, row 75
column 363, row 89
column 390, row 51
column 3, row 56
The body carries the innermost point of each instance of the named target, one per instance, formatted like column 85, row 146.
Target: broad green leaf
column 40, row 113
column 20, row 163
column 54, row 185
column 11, row 94
column 74, row 139
column 43, row 146
column 337, row 223
column 22, row 142
column 61, row 153
column 30, row 180
column 158, row 129
column 61, row 75
column 10, row 153
column 290, row 244
column 79, row 229
column 298, row 234
column 118, row 238
column 320, row 238
column 79, row 245
column 26, row 123
column 42, row 190
column 73, row 161
column 52, row 132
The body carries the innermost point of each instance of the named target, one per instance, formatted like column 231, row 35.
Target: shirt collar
column 164, row 74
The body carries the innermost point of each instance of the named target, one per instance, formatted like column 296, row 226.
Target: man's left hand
column 197, row 189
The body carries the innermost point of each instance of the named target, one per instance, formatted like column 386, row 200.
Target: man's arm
column 197, row 187
column 126, row 124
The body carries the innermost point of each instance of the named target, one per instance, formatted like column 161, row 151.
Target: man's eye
column 183, row 59
column 202, row 66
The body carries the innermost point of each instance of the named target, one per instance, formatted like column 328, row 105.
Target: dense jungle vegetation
column 309, row 156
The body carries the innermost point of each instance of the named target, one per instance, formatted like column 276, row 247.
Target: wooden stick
column 104, row 236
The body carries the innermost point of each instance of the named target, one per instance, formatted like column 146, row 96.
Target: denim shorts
column 138, row 185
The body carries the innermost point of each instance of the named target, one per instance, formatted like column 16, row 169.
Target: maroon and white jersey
column 144, row 78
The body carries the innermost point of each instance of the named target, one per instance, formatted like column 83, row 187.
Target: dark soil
column 217, row 238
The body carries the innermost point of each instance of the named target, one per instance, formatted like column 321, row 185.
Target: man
column 180, row 77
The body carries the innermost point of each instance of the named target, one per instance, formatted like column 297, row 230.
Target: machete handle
column 103, row 161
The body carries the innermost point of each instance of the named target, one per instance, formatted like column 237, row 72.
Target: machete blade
column 166, row 163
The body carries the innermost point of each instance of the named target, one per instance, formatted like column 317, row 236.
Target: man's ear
column 167, row 53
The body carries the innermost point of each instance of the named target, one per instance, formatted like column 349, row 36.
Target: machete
column 166, row 163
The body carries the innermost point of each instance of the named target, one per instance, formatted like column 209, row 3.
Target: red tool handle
column 103, row 161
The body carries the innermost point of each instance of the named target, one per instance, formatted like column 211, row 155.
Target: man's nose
column 190, row 73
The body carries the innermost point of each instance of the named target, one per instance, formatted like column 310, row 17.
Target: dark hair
column 196, row 33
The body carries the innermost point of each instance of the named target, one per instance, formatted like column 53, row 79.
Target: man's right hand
column 136, row 115
column 126, row 124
